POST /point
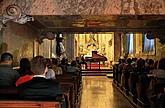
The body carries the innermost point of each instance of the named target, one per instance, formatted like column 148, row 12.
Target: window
column 129, row 37
column 148, row 44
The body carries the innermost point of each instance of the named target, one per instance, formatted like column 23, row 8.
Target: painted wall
column 18, row 40
column 89, row 7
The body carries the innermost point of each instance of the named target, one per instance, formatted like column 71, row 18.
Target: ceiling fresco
column 88, row 7
column 103, row 15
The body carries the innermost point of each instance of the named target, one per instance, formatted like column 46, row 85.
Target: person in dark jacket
column 39, row 87
column 8, row 76
column 24, row 67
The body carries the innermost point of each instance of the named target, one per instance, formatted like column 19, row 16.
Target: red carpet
column 96, row 66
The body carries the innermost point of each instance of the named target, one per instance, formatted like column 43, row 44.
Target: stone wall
column 18, row 40
column 69, row 44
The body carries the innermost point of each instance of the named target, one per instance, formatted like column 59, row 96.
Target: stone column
column 117, row 46
column 70, row 46
column 1, row 41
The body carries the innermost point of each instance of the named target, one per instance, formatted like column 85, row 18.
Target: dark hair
column 150, row 62
column 38, row 65
column 25, row 63
column 54, row 61
column 74, row 63
column 6, row 57
column 49, row 62
column 129, row 61
column 140, row 65
column 63, row 61
column 156, row 65
column 161, row 64
column 134, row 59
column 24, row 67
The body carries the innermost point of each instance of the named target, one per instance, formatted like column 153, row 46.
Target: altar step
column 108, row 73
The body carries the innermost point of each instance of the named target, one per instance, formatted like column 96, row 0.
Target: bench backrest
column 28, row 104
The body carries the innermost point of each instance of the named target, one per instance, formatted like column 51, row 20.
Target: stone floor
column 98, row 92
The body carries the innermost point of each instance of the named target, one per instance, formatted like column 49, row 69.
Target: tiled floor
column 98, row 92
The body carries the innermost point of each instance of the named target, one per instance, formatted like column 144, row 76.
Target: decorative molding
column 46, row 35
column 14, row 13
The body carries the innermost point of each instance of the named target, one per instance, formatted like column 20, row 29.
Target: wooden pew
column 74, row 82
column 28, row 104
column 9, row 99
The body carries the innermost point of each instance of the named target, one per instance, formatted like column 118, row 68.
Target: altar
column 95, row 42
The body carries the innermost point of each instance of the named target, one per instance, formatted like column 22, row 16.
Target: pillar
column 117, row 46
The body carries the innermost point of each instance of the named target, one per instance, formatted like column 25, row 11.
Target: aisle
column 98, row 92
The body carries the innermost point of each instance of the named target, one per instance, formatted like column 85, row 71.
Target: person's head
column 150, row 62
column 63, row 61
column 156, row 65
column 122, row 60
column 161, row 64
column 54, row 61
column 24, row 63
column 49, row 62
column 39, row 65
column 129, row 61
column 74, row 63
column 7, row 58
column 141, row 63
column 134, row 59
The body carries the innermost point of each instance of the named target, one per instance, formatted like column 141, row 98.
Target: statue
column 91, row 45
column 60, row 50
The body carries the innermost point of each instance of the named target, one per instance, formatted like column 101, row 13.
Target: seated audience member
column 73, row 67
column 78, row 62
column 126, row 72
column 142, row 81
column 8, row 76
column 39, row 87
column 64, row 65
column 150, row 66
column 120, row 68
column 24, row 67
column 50, row 73
column 159, row 74
column 55, row 67
column 82, row 61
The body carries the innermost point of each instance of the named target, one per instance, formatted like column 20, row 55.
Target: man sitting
column 39, row 87
column 8, row 76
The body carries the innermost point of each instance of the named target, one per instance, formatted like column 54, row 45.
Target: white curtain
column 129, row 43
column 148, row 44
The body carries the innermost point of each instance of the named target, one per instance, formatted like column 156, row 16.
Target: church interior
column 98, row 34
